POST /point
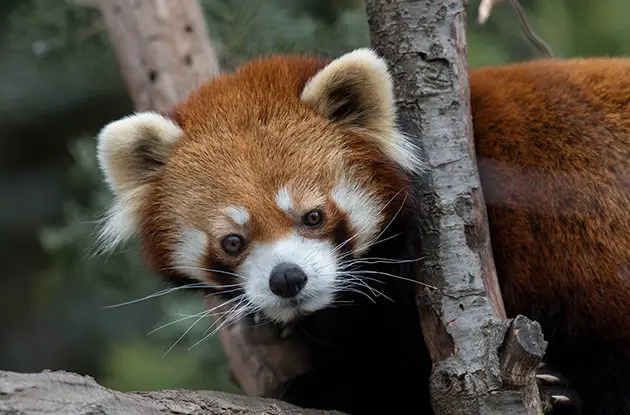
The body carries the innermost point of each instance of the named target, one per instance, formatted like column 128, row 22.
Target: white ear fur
column 130, row 152
column 357, row 89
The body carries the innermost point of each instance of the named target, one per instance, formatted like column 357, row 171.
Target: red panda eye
column 313, row 218
column 233, row 244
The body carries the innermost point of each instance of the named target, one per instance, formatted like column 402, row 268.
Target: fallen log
column 62, row 392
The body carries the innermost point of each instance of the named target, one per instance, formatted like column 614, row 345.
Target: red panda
column 286, row 186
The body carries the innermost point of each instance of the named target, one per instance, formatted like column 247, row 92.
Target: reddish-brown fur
column 553, row 148
column 553, row 142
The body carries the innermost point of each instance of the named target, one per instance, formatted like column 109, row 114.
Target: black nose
column 287, row 279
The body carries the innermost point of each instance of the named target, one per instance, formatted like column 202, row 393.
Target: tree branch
column 464, row 321
column 68, row 393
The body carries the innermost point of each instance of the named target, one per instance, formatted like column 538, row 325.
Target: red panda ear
column 131, row 151
column 356, row 89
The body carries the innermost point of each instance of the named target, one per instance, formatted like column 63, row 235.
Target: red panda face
column 270, row 179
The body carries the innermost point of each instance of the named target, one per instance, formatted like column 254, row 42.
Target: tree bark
column 162, row 48
column 464, row 322
column 164, row 52
column 68, row 393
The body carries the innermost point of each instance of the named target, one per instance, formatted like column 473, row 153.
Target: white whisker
column 227, row 319
column 219, row 271
column 176, row 321
column 342, row 244
column 204, row 314
column 225, row 314
column 186, row 332
column 402, row 204
column 186, row 317
column 164, row 292
column 394, row 276
column 377, row 260
column 360, row 292
column 355, row 281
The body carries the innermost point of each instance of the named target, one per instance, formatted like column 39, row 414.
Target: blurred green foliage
column 59, row 84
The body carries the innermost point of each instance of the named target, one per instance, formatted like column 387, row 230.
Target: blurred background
column 59, row 84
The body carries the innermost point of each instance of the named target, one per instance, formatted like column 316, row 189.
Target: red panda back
column 553, row 148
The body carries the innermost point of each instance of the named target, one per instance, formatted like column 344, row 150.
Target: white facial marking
column 315, row 257
column 239, row 214
column 189, row 250
column 283, row 199
column 364, row 213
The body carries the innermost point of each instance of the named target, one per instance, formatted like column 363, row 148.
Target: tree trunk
column 67, row 393
column 477, row 369
column 162, row 48
column 164, row 52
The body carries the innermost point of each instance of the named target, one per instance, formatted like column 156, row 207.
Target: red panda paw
column 556, row 393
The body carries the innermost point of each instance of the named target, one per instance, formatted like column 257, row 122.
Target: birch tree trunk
column 164, row 52
column 482, row 362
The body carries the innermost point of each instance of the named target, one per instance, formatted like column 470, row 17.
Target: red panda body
column 553, row 148
column 299, row 159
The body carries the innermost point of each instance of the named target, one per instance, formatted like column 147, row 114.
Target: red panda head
column 270, row 178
